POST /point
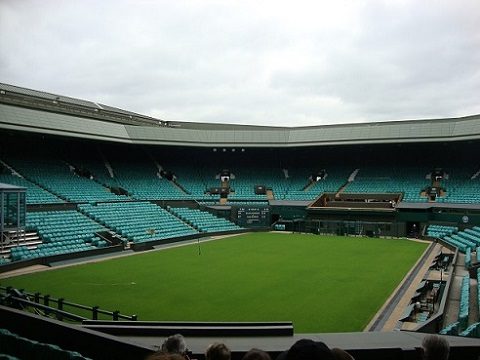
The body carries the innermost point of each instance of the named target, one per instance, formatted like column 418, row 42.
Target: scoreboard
column 252, row 216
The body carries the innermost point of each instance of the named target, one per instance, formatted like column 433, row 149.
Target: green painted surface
column 321, row 283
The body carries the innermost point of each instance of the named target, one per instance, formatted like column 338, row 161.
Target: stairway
column 11, row 239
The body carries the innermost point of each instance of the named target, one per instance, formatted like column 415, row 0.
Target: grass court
column 321, row 283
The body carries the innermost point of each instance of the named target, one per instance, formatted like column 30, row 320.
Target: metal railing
column 49, row 306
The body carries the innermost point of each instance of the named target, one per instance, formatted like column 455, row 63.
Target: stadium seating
column 138, row 221
column 468, row 258
column 35, row 194
column 472, row 331
column 407, row 180
column 142, row 181
column 465, row 239
column 204, row 221
column 18, row 347
column 440, row 231
column 460, row 187
column 464, row 307
column 450, row 329
column 462, row 240
column 461, row 246
column 478, row 288
column 300, row 189
column 475, row 239
column 58, row 178
column 245, row 181
column 62, row 232
column 197, row 181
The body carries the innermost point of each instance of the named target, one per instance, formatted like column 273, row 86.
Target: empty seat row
column 18, row 347
column 464, row 306
column 203, row 221
column 138, row 221
column 440, row 230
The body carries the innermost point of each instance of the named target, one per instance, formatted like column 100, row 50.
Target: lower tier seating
column 138, row 221
column 13, row 346
column 204, row 221
column 62, row 232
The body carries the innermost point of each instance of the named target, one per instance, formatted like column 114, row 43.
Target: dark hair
column 256, row 354
column 435, row 347
column 218, row 351
column 174, row 344
column 306, row 349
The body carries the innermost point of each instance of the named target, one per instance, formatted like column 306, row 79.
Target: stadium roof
column 39, row 112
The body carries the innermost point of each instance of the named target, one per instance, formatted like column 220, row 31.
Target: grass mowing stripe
column 321, row 283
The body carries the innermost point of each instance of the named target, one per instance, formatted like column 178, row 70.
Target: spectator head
column 217, row 351
column 435, row 348
column 175, row 344
column 256, row 354
column 306, row 349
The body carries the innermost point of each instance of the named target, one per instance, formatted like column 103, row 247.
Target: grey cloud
column 236, row 62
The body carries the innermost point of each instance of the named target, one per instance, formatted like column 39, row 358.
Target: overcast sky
column 250, row 62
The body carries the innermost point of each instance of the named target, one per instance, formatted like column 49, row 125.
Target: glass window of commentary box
column 12, row 207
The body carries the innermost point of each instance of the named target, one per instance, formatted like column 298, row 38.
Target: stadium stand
column 142, row 180
column 62, row 232
column 461, row 186
column 450, row 329
column 59, row 178
column 464, row 309
column 302, row 187
column 13, row 346
column 468, row 258
column 440, row 231
column 464, row 239
column 35, row 194
column 472, row 331
column 204, row 221
column 478, row 287
column 409, row 180
column 138, row 221
column 196, row 182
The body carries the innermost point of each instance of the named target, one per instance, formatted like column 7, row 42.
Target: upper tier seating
column 336, row 177
column 138, row 221
column 460, row 187
column 196, row 181
column 58, row 178
column 35, row 194
column 203, row 221
column 407, row 180
column 140, row 179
